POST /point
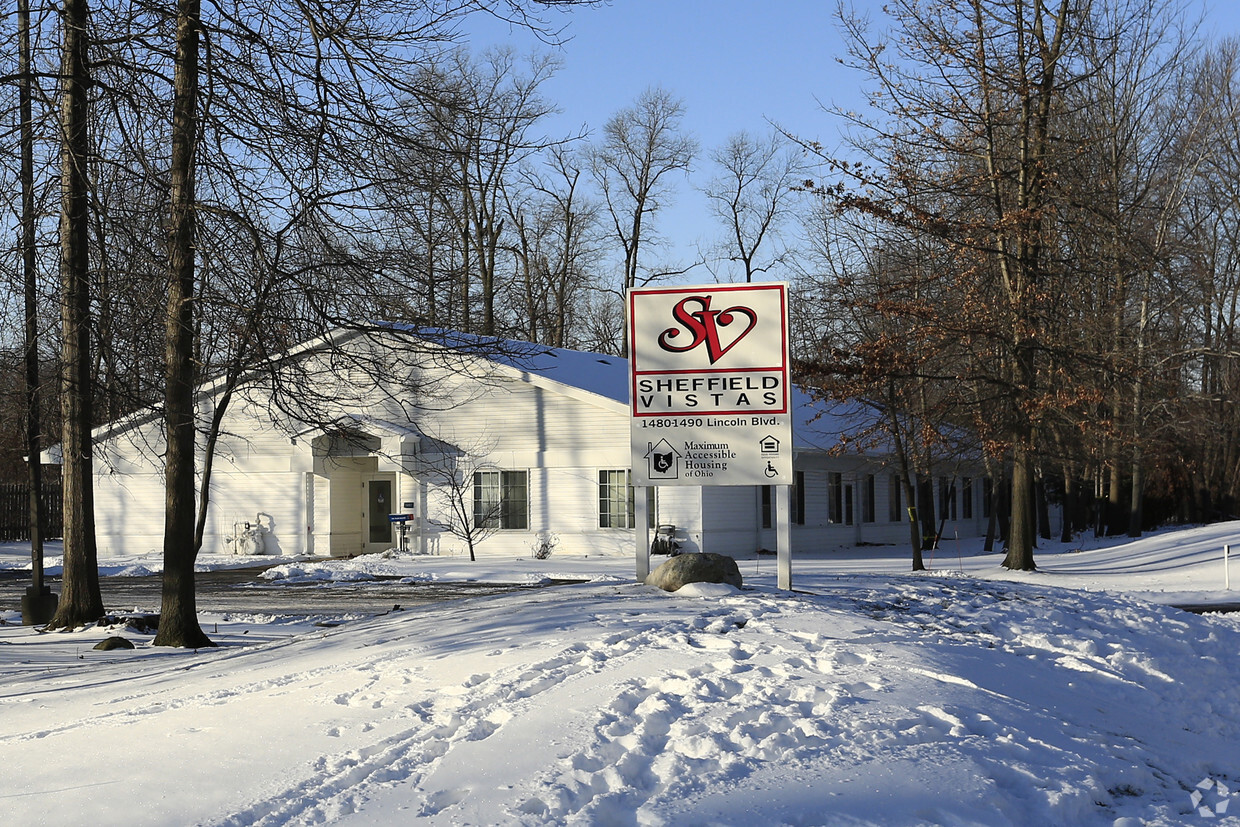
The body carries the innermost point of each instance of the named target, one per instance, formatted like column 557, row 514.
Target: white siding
column 266, row 471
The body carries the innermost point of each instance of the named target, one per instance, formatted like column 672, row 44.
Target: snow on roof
column 596, row 373
column 817, row 424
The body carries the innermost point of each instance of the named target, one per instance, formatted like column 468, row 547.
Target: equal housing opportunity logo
column 1210, row 798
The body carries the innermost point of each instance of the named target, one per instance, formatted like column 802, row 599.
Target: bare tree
column 80, row 600
column 473, row 127
column 751, row 193
column 642, row 147
column 556, row 246
column 902, row 367
column 967, row 158
column 40, row 603
column 466, row 511
column 178, row 621
column 288, row 124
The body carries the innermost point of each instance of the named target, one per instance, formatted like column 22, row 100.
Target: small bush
column 543, row 545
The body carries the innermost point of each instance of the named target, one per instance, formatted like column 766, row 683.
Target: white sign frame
column 710, row 385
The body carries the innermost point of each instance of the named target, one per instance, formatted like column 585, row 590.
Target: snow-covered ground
column 871, row 695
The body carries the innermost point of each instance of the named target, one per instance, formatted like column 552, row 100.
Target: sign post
column 641, row 528
column 710, row 391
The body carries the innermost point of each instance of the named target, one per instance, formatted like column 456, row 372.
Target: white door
column 378, row 495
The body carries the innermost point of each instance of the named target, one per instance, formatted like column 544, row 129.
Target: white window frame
column 504, row 509
column 610, row 513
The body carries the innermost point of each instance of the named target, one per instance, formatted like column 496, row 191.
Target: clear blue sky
column 737, row 64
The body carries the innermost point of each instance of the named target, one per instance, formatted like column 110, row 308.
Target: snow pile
column 15, row 557
column 413, row 568
column 315, row 572
column 939, row 698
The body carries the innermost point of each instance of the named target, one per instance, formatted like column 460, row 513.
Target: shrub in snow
column 695, row 568
column 543, row 544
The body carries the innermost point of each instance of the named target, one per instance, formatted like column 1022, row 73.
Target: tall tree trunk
column 1071, row 503
column 81, row 601
column 178, row 619
column 1020, row 533
column 40, row 605
column 1116, row 522
column 906, row 482
column 914, row 525
column 1136, row 495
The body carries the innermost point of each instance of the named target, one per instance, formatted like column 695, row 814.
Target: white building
column 534, row 445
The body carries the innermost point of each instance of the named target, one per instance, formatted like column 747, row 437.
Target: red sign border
column 782, row 369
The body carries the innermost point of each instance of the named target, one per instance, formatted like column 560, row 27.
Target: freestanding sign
column 710, row 393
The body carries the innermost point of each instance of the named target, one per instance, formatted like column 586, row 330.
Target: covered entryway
column 362, row 474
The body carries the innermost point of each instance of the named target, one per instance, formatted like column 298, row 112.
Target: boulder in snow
column 695, row 568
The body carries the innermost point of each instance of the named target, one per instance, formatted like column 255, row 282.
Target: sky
column 737, row 64
column 966, row 695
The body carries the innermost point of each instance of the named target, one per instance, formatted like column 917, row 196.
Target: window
column 988, row 495
column 895, row 514
column 615, row 499
column 502, row 499
column 867, row 499
column 835, row 497
column 848, row 504
column 796, row 501
column 966, row 497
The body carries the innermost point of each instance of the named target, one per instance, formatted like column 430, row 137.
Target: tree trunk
column 208, row 458
column 1115, row 523
column 80, row 601
column 1137, row 493
column 1135, row 512
column 906, row 483
column 914, row 524
column 41, row 602
column 178, row 618
column 1071, row 504
column 1020, row 539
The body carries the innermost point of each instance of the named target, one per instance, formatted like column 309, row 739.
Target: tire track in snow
column 339, row 784
column 668, row 736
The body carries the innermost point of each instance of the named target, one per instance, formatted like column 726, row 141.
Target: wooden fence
column 15, row 512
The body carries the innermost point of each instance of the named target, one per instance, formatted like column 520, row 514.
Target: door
column 377, row 504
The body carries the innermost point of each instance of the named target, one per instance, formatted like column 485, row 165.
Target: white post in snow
column 783, row 536
column 641, row 531
column 1227, row 567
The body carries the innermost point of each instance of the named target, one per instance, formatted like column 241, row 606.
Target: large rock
column 695, row 568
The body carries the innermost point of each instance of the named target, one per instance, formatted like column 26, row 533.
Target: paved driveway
column 241, row 590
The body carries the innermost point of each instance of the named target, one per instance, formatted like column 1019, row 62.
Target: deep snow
column 966, row 695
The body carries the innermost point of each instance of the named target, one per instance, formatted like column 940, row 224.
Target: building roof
column 597, row 373
column 818, row 425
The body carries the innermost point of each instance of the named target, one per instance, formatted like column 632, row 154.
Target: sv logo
column 703, row 326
